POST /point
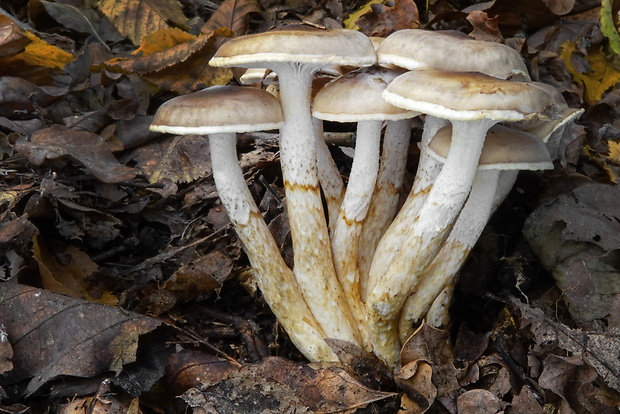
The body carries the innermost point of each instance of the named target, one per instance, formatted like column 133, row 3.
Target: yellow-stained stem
column 274, row 278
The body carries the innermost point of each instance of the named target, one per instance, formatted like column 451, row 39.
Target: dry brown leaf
column 381, row 18
column 12, row 39
column 188, row 368
column 577, row 238
column 6, row 351
column 485, row 27
column 176, row 60
column 136, row 19
column 281, row 386
column 233, row 15
column 415, row 378
column 200, row 276
column 70, row 276
column 85, row 147
column 106, row 401
column 183, row 158
column 70, row 336
column 479, row 402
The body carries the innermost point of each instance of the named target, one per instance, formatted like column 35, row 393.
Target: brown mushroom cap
column 504, row 149
column 467, row 96
column 356, row 96
column 219, row 109
column 297, row 44
column 450, row 50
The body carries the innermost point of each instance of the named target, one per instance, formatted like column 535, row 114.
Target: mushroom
column 220, row 112
column 505, row 152
column 473, row 102
column 295, row 54
column 416, row 49
column 450, row 50
column 356, row 97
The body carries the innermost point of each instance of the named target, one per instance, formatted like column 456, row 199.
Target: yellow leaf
column 601, row 77
column 351, row 21
column 614, row 151
column 177, row 61
column 135, row 19
column 40, row 53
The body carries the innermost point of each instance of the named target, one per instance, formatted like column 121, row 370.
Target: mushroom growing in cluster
column 220, row 112
column 295, row 54
column 341, row 286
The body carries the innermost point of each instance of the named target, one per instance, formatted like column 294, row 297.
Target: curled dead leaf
column 85, row 147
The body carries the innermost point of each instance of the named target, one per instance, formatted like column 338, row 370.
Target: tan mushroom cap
column 467, row 96
column 450, row 50
column 356, row 96
column 297, row 44
column 504, row 149
column 219, row 109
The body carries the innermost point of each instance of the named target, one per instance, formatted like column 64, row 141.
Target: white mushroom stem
column 314, row 267
column 431, row 227
column 274, row 278
column 329, row 176
column 385, row 198
column 466, row 231
column 345, row 241
column 438, row 315
column 392, row 239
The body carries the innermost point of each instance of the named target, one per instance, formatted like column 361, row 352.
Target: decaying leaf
column 6, row 351
column 68, row 275
column 485, row 27
column 577, row 238
column 383, row 17
column 81, row 20
column 85, row 147
column 176, row 60
column 608, row 25
column 479, row 402
column 597, row 350
column 597, row 77
column 54, row 335
column 232, row 14
column 281, row 386
column 135, row 19
column 12, row 38
column 182, row 158
column 106, row 401
column 200, row 276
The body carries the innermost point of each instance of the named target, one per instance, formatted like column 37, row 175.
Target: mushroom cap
column 468, row 96
column 219, row 109
column 504, row 149
column 450, row 50
column 302, row 44
column 356, row 96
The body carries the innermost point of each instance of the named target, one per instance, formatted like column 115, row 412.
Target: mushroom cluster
column 364, row 270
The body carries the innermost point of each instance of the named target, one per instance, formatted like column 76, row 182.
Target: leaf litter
column 97, row 211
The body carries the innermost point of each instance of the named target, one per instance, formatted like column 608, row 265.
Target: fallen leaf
column 608, row 25
column 485, row 28
column 37, row 53
column 136, row 19
column 85, row 147
column 577, row 238
column 283, row 386
column 598, row 76
column 381, row 18
column 12, row 39
column 200, row 276
column 189, row 368
column 479, row 402
column 106, row 401
column 71, row 337
column 6, row 351
column 69, row 276
column 80, row 20
column 176, row 60
column 232, row 14
column 183, row 158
